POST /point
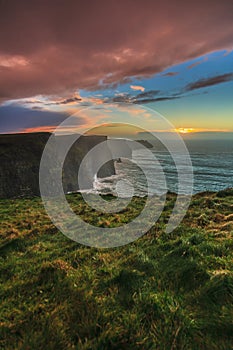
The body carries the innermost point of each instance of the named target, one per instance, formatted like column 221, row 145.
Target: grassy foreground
column 164, row 291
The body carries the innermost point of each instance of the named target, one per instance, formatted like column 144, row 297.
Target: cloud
column 45, row 128
column 55, row 50
column 147, row 94
column 126, row 98
column 15, row 118
column 152, row 96
column 9, row 61
column 170, row 74
column 157, row 99
column 67, row 101
column 194, row 64
column 137, row 88
column 142, row 98
column 202, row 83
column 204, row 59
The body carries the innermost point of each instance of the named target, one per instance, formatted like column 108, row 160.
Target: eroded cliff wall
column 20, row 156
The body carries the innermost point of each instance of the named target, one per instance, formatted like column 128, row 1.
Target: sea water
column 212, row 164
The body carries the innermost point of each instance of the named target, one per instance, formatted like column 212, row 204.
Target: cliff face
column 76, row 154
column 20, row 156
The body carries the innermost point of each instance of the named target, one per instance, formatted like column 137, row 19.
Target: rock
column 20, row 156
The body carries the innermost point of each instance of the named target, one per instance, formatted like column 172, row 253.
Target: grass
column 164, row 291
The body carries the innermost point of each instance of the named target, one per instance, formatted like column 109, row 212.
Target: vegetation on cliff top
column 164, row 291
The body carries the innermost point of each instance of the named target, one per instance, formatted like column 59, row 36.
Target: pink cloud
column 12, row 61
column 74, row 44
column 137, row 88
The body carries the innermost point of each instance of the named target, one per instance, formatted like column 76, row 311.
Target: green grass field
column 164, row 291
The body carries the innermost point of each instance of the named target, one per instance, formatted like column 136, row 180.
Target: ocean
column 212, row 163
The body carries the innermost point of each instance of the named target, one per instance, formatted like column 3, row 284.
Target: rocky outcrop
column 20, row 156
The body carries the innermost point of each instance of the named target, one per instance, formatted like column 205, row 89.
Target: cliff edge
column 20, row 156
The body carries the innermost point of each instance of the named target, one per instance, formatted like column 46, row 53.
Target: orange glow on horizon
column 113, row 130
column 186, row 130
column 196, row 130
column 48, row 128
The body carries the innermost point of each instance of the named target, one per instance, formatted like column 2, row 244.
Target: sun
column 185, row 130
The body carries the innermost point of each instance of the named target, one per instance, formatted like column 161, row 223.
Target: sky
column 60, row 57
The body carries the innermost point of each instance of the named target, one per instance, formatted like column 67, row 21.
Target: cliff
column 20, row 156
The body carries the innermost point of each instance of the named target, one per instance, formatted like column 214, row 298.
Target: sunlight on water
column 213, row 171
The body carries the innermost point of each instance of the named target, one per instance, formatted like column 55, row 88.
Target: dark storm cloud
column 202, row 83
column 157, row 99
column 126, row 98
column 69, row 101
column 14, row 118
column 56, row 47
column 148, row 94
column 143, row 98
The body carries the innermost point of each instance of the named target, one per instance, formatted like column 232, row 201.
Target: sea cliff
column 20, row 156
